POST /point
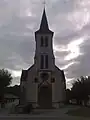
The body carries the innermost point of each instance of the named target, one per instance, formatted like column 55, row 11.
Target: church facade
column 43, row 84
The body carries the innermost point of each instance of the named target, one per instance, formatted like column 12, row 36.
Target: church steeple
column 44, row 27
column 44, row 22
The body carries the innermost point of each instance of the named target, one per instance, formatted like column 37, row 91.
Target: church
column 43, row 84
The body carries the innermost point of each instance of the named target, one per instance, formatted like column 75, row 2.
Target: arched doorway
column 45, row 96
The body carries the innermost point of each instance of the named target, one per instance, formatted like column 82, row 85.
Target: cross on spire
column 44, row 3
column 44, row 23
column 44, row 27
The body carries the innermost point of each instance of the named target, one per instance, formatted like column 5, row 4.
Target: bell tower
column 44, row 61
column 44, row 57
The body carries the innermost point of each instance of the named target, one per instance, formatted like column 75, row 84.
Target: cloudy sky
column 70, row 21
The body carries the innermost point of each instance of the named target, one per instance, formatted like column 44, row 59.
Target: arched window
column 42, row 41
column 46, row 61
column 42, row 62
column 46, row 41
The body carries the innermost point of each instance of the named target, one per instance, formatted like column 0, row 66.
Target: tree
column 68, row 95
column 81, row 89
column 5, row 80
column 15, row 90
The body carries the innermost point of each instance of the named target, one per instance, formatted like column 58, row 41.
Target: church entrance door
column 45, row 96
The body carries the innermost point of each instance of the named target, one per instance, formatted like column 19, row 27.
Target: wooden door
column 45, row 96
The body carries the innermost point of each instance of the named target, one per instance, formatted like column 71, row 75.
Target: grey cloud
column 64, row 38
column 16, row 80
column 17, row 43
column 13, row 50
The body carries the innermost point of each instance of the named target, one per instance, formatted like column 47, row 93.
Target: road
column 53, row 114
column 28, row 117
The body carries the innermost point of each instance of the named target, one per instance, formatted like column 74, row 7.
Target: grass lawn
column 82, row 112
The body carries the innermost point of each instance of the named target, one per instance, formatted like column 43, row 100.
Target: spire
column 44, row 22
column 44, row 28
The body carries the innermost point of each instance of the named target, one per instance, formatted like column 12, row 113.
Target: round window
column 44, row 76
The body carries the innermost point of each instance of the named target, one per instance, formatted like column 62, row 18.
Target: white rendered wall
column 58, row 87
column 31, row 87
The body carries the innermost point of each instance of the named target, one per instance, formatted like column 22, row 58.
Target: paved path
column 40, row 117
column 55, row 114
